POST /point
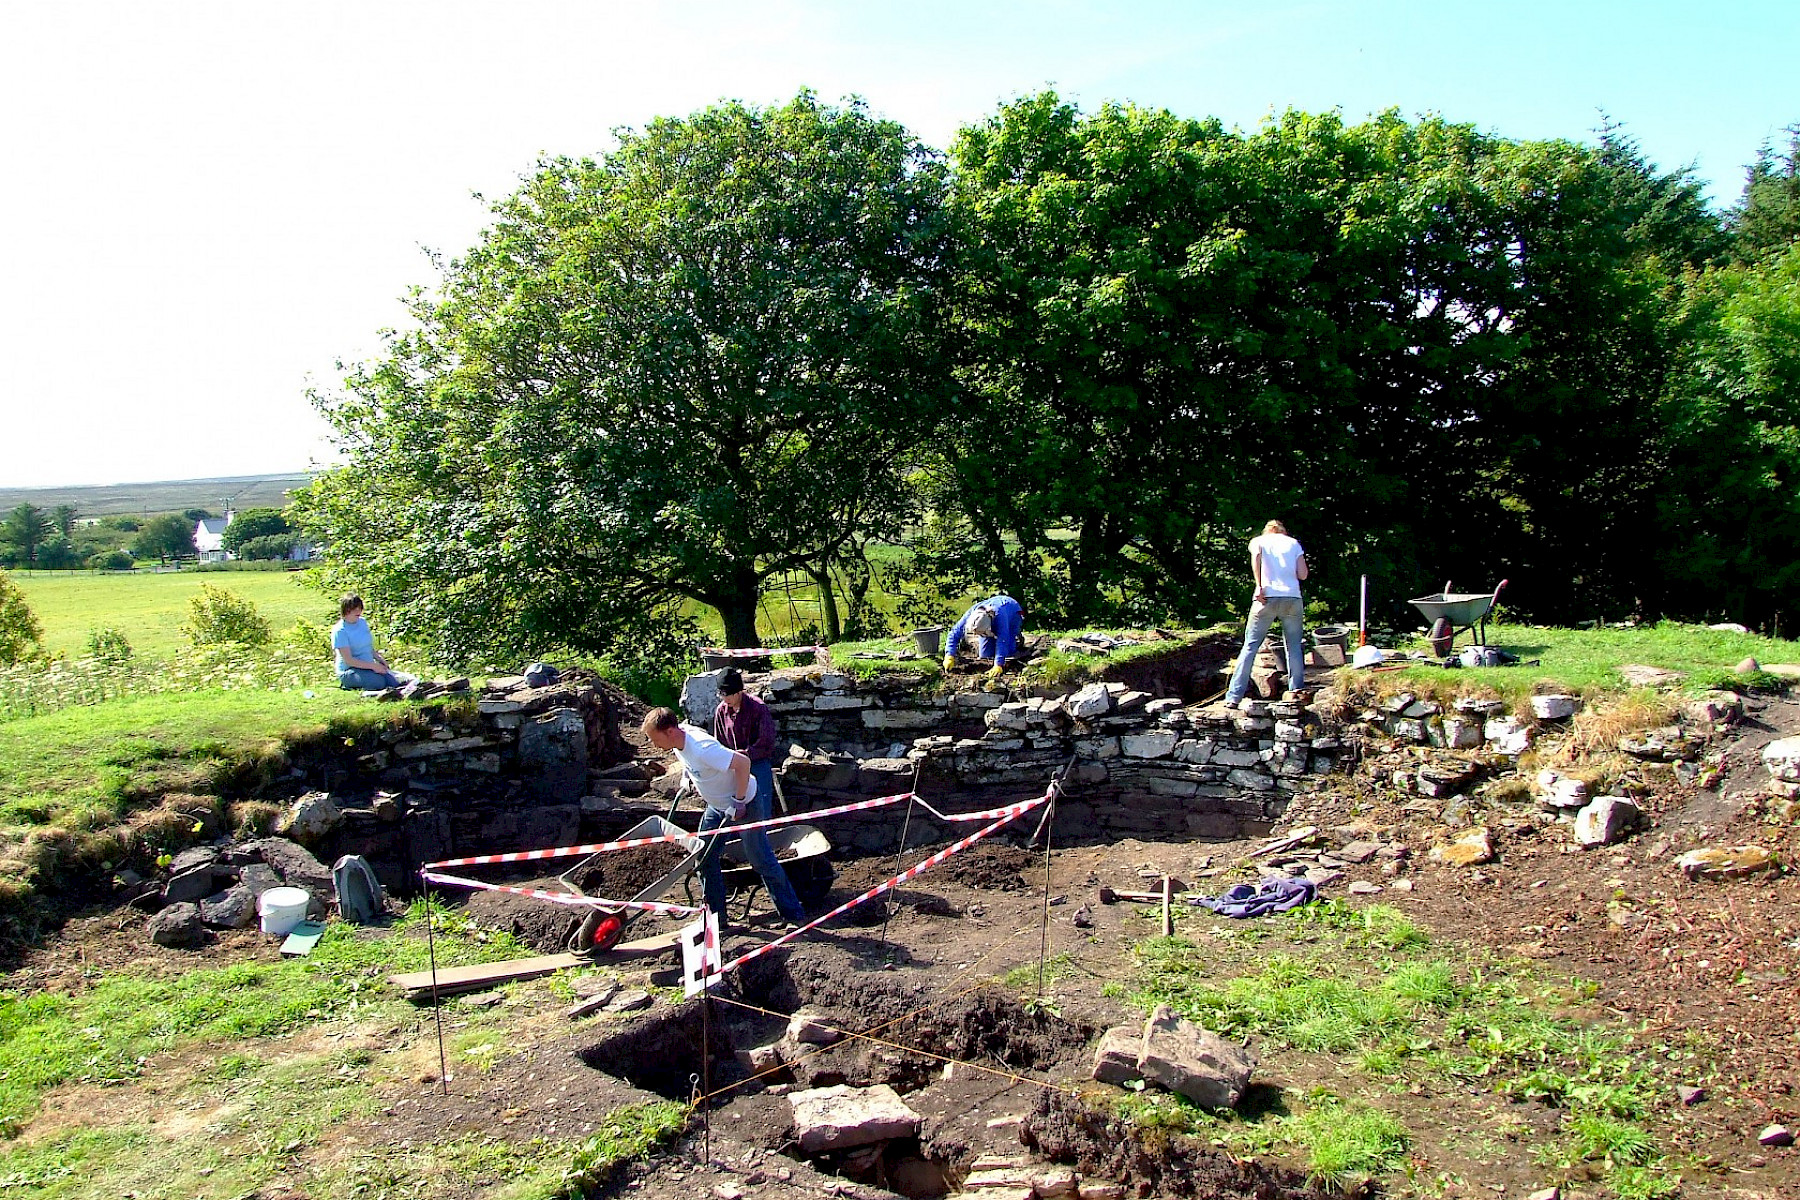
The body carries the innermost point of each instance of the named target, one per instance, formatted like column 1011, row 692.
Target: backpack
column 359, row 894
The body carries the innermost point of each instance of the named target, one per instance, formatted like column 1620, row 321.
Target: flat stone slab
column 1193, row 1061
column 838, row 1118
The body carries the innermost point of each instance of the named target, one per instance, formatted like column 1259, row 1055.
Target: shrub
column 273, row 546
column 216, row 615
column 19, row 628
column 108, row 645
column 111, row 560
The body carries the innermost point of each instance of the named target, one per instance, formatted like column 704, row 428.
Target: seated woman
column 359, row 667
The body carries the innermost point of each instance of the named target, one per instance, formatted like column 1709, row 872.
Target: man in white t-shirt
column 1277, row 565
column 722, row 777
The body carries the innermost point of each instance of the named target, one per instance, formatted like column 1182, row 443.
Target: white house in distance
column 209, row 538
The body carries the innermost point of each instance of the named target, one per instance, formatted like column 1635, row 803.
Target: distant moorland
column 175, row 495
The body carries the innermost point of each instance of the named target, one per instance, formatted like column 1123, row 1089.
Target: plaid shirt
column 750, row 730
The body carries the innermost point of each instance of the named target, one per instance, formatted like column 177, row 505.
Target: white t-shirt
column 1280, row 563
column 707, row 762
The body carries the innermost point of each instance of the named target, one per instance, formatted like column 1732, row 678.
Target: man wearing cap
column 734, row 790
column 998, row 623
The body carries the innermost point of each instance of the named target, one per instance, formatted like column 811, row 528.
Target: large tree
column 659, row 378
column 27, row 528
column 251, row 524
column 170, row 535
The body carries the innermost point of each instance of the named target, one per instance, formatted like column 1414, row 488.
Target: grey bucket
column 928, row 640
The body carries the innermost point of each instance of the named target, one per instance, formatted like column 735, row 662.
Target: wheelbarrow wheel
column 1443, row 636
column 599, row 931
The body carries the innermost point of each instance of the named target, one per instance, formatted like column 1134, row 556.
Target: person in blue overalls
column 998, row 623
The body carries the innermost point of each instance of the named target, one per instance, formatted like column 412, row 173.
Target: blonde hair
column 660, row 718
column 1275, row 527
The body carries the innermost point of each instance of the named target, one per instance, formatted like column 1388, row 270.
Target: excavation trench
column 973, row 1065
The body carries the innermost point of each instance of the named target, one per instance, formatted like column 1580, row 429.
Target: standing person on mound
column 359, row 667
column 724, row 779
column 1277, row 565
column 998, row 623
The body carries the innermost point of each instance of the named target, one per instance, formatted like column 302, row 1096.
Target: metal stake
column 893, row 901
column 1044, row 828
column 437, row 1009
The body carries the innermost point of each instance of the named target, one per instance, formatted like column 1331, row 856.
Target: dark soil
column 1067, row 1129
column 622, row 874
column 992, row 867
column 541, row 924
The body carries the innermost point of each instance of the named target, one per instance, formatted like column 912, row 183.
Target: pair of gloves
column 950, row 665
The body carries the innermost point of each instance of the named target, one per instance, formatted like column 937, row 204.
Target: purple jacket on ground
column 750, row 730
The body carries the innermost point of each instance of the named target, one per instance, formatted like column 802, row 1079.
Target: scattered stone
column 1728, row 627
column 1606, row 820
column 1363, row 887
column 630, row 1001
column 1690, row 1095
column 1193, row 1062
column 193, row 858
column 1116, row 1057
column 1724, row 862
column 1054, row 1183
column 191, row 885
column 1102, row 1191
column 1661, row 745
column 1359, row 852
column 841, row 1117
column 1553, row 707
column 995, row 1162
column 1013, row 1179
column 1747, row 665
column 296, row 865
column 1402, row 885
column 1508, row 735
column 809, row 1028
column 758, row 1059
column 1776, row 1135
column 1557, row 791
column 1441, row 779
column 1782, row 759
column 481, row 1000
column 259, row 878
column 1642, row 675
column 1471, row 849
column 728, row 1191
column 311, row 817
column 1007, row 1122
column 178, row 927
column 1549, row 1193
column 233, row 908
column 1714, row 708
column 593, row 998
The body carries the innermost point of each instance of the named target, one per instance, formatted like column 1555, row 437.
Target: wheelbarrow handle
column 1498, row 589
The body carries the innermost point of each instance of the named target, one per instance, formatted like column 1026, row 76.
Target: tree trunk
column 738, row 608
column 834, row 629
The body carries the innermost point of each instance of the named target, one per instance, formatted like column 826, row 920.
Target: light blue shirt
column 355, row 640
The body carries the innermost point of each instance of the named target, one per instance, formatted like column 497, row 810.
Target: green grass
column 1587, row 661
column 1366, row 986
column 78, row 767
column 105, row 1034
column 150, row 607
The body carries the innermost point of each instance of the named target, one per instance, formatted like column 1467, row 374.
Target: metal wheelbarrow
column 1450, row 613
column 603, row 927
column 803, row 853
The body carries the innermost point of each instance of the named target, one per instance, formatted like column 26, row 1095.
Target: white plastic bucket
column 282, row 908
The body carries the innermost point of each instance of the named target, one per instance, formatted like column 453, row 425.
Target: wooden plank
column 454, row 980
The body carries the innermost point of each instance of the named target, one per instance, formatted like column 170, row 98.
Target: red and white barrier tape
column 655, row 906
column 765, row 652
column 1012, row 813
column 513, row 856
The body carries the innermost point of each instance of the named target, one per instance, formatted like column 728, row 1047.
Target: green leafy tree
column 63, row 518
column 195, row 515
column 20, row 632
column 660, row 378
column 26, row 529
column 111, row 560
column 1767, row 219
column 170, row 536
column 254, row 523
column 1729, row 502
column 274, row 546
column 216, row 615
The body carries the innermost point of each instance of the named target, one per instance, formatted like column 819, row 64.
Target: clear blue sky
column 208, row 204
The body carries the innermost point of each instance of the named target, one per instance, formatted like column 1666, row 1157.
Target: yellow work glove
column 949, row 662
column 995, row 673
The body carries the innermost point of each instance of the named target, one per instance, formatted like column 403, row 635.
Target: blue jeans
column 361, row 679
column 1291, row 612
column 756, row 849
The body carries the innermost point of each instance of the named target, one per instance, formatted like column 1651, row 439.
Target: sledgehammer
column 1109, row 896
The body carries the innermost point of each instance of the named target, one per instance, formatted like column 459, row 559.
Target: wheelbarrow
column 603, row 927
column 1450, row 613
column 803, row 853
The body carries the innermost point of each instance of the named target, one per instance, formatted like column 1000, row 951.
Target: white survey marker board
column 700, row 953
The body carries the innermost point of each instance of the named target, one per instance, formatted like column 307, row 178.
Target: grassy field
column 246, row 491
column 1587, row 661
column 150, row 607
